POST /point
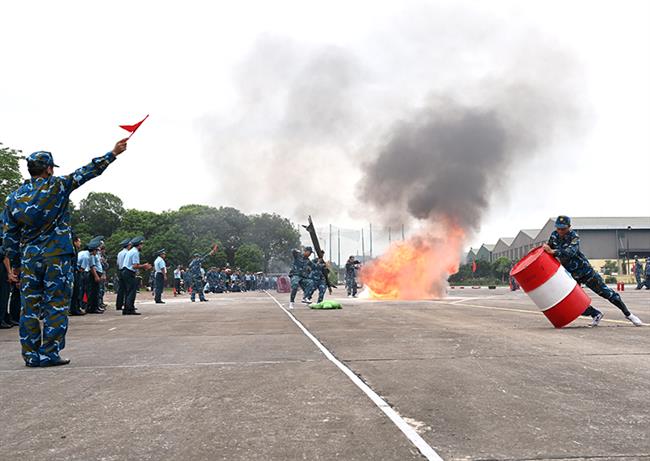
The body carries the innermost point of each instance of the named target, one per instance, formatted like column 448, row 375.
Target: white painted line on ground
column 111, row 329
column 427, row 451
column 523, row 311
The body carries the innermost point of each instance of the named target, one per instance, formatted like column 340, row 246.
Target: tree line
column 258, row 242
column 252, row 243
column 486, row 273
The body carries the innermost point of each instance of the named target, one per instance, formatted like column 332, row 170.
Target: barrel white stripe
column 554, row 290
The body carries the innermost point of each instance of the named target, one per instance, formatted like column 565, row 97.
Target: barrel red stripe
column 569, row 309
column 535, row 269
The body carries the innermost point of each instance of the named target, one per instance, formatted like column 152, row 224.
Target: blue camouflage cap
column 125, row 242
column 43, row 157
column 562, row 222
column 135, row 241
column 161, row 251
column 310, row 249
column 93, row 245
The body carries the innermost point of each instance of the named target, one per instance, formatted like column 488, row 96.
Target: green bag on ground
column 326, row 305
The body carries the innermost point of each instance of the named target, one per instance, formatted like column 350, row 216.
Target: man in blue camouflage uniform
column 638, row 273
column 317, row 278
column 299, row 273
column 194, row 269
column 647, row 273
column 5, row 291
column 36, row 223
column 351, row 276
column 564, row 244
column 213, row 278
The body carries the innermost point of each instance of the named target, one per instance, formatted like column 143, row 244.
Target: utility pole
column 363, row 247
column 389, row 239
column 402, row 232
column 339, row 245
column 330, row 243
column 370, row 234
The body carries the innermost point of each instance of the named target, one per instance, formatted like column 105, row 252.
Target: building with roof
column 601, row 239
column 502, row 247
column 485, row 253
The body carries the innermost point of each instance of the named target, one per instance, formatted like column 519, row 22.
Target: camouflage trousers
column 319, row 285
column 46, row 288
column 596, row 283
column 299, row 282
column 351, row 286
column 197, row 287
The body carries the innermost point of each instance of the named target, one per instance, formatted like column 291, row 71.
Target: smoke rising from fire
column 448, row 159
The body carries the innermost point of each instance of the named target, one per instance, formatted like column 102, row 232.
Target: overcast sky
column 212, row 76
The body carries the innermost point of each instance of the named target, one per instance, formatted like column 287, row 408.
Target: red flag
column 473, row 266
column 132, row 128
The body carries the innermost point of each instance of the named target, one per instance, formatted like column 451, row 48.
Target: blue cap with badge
column 562, row 222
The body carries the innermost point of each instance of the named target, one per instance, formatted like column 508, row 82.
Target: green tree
column 275, row 236
column 609, row 267
column 100, row 212
column 10, row 177
column 249, row 257
column 502, row 268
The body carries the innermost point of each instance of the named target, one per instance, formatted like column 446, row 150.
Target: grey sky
column 222, row 82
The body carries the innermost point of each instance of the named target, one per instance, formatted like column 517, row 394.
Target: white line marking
column 111, row 329
column 522, row 311
column 426, row 450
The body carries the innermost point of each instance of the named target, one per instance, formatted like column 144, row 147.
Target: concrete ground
column 481, row 375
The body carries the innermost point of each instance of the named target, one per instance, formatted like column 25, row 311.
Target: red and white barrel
column 551, row 287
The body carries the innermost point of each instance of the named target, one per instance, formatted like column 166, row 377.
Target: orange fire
column 417, row 268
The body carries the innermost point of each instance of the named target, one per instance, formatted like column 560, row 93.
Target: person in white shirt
column 131, row 265
column 121, row 286
column 160, row 268
column 178, row 275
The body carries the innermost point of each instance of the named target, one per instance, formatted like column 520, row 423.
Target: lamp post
column 627, row 250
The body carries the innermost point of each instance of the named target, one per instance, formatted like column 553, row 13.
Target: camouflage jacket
column 318, row 269
column 638, row 268
column 213, row 278
column 567, row 250
column 301, row 265
column 194, row 268
column 36, row 219
column 350, row 270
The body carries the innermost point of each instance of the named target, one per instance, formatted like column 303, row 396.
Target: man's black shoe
column 118, row 308
column 5, row 326
column 55, row 363
column 94, row 312
column 14, row 322
column 160, row 302
column 131, row 313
